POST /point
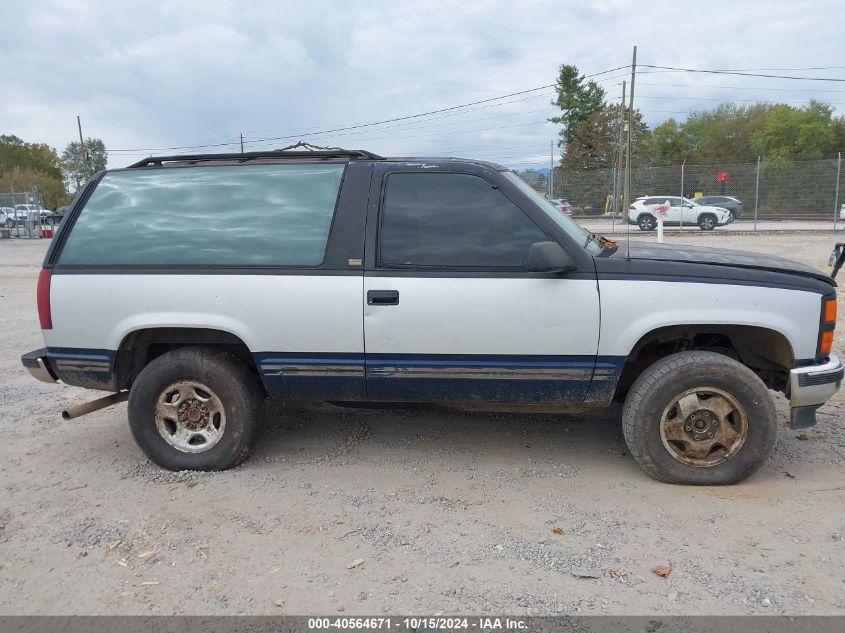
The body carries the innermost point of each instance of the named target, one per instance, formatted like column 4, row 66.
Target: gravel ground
column 453, row 513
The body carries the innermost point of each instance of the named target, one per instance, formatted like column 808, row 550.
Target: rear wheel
column 194, row 409
column 699, row 418
column 646, row 222
column 707, row 222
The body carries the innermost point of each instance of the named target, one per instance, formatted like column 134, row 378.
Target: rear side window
column 452, row 220
column 249, row 215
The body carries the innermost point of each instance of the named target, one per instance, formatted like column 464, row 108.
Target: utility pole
column 551, row 169
column 627, row 190
column 242, row 142
column 617, row 181
column 81, row 142
column 84, row 149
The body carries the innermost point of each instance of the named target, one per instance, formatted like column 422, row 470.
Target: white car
column 562, row 205
column 643, row 213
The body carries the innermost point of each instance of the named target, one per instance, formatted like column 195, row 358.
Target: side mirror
column 548, row 257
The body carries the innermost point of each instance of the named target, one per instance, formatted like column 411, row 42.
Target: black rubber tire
column 707, row 221
column 236, row 386
column 659, row 384
column 646, row 222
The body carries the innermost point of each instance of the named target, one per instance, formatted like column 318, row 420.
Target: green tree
column 593, row 144
column 577, row 99
column 838, row 125
column 796, row 133
column 31, row 166
column 536, row 179
column 14, row 152
column 80, row 162
column 50, row 188
column 669, row 143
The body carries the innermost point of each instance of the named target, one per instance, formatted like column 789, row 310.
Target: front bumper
column 37, row 364
column 810, row 387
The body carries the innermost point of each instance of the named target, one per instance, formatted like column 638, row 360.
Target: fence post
column 756, row 193
column 836, row 197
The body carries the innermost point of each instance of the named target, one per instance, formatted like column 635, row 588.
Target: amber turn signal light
column 830, row 311
column 825, row 342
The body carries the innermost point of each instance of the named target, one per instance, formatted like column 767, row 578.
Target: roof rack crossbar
column 248, row 156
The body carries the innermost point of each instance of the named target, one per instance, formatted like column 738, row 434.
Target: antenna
column 628, row 150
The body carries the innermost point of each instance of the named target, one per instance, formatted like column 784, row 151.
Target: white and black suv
column 197, row 286
column 681, row 211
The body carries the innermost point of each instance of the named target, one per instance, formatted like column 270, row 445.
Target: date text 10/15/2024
column 416, row 623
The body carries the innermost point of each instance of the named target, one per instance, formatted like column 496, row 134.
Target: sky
column 150, row 76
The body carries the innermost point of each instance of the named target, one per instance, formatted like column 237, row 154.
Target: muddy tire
column 193, row 409
column 699, row 418
column 646, row 222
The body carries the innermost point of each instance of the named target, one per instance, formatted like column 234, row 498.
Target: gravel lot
column 453, row 513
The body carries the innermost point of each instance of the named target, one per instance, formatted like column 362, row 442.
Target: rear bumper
column 810, row 387
column 37, row 363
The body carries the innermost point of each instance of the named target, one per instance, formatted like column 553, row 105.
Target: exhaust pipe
column 95, row 405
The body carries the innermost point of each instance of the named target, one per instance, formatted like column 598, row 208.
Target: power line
column 735, row 72
column 371, row 124
column 658, row 83
column 671, row 97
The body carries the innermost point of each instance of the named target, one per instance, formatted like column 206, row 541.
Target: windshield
column 579, row 234
column 692, row 202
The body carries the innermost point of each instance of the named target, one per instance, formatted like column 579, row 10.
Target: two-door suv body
column 203, row 284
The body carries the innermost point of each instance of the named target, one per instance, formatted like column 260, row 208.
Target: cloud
column 156, row 75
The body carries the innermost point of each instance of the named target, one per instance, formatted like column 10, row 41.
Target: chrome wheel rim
column 707, row 223
column 190, row 417
column 703, row 427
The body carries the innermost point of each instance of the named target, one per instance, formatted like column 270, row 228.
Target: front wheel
column 194, row 409
column 699, row 418
column 707, row 222
column 646, row 223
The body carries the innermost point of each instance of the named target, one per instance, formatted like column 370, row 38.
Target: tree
column 536, row 179
column 50, row 188
column 29, row 166
column 594, row 142
column 80, row 162
column 793, row 133
column 577, row 99
column 14, row 152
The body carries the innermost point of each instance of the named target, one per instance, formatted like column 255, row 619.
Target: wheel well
column 142, row 346
column 765, row 352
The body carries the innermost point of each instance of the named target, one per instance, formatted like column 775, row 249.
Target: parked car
column 733, row 205
column 23, row 211
column 562, row 205
column 681, row 211
column 6, row 213
column 468, row 288
column 15, row 216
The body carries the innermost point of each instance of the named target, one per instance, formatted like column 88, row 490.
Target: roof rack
column 248, row 156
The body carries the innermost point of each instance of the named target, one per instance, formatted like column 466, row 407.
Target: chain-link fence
column 22, row 215
column 810, row 189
